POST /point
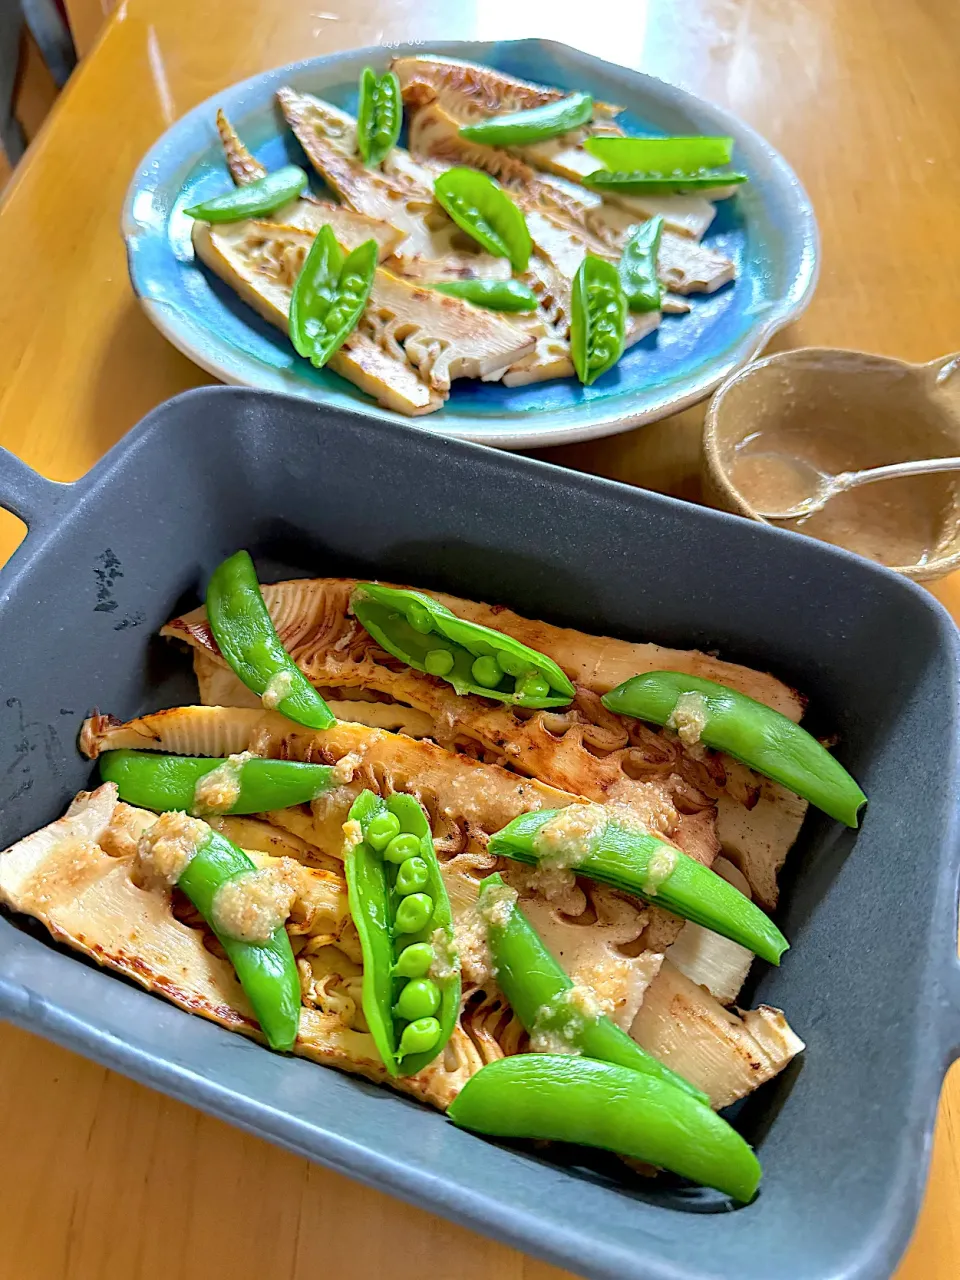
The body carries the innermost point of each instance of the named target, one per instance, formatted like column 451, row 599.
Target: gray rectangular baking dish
column 871, row 982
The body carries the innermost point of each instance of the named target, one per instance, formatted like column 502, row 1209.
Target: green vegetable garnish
column 266, row 970
column 759, row 736
column 598, row 319
column 481, row 208
column 540, row 993
column 249, row 643
column 599, row 844
column 599, row 1104
column 521, row 127
column 637, row 267
column 640, row 183
column 398, row 902
column 329, row 296
column 255, row 199
column 474, row 659
column 660, row 155
column 152, row 780
column 495, row 295
column 379, row 115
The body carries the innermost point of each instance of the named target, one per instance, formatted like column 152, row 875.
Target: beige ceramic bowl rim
column 711, row 450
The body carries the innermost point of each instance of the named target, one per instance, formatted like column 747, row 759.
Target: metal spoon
column 824, row 486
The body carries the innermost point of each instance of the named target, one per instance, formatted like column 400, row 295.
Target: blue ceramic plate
column 768, row 229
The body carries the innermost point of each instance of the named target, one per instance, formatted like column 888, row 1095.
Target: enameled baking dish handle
column 29, row 495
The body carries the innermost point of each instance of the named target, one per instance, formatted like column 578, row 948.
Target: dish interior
column 875, row 654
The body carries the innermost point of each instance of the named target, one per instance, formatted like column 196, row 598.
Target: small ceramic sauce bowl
column 843, row 411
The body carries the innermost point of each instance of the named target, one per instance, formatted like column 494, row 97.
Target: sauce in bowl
column 894, row 522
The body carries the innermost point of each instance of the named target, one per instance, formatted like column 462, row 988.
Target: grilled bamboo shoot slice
column 312, row 615
column 93, row 901
column 232, row 249
column 725, row 1055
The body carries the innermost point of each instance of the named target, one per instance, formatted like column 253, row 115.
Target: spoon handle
column 896, row 470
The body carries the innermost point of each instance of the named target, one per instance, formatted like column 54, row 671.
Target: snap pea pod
column 601, row 1104
column 411, row 977
column 474, row 659
column 637, row 267
column 252, row 649
column 151, row 780
column 314, row 289
column 495, row 295
column 379, row 115
column 756, row 734
column 538, row 991
column 521, row 127
column 598, row 845
column 329, row 296
column 264, row 195
column 481, row 208
column 267, row 971
column 660, row 155
column 598, row 318
column 636, row 182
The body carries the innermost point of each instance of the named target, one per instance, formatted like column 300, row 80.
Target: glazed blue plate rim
column 159, row 177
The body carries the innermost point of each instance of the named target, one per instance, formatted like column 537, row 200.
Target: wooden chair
column 49, row 29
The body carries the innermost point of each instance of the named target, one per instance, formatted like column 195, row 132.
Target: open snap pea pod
column 379, row 115
column 252, row 649
column 495, row 295
column 201, row 862
column 637, row 267
column 411, row 977
column 598, row 318
column 545, row 1000
column 636, row 182
column 199, row 785
column 313, row 290
column 601, row 1104
column 474, row 659
column 660, row 155
column 759, row 736
column 329, row 296
column 264, row 195
column 481, row 208
column 589, row 839
column 521, row 127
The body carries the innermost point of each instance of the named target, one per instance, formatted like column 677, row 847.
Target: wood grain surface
column 101, row 1177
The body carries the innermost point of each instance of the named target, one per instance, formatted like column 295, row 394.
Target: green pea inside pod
column 413, row 874
column 413, row 913
column 419, row 1036
column 420, row 998
column 488, row 672
column 382, row 830
column 402, row 847
column 514, row 665
column 414, row 961
column 438, row 662
column 532, row 688
column 419, row 619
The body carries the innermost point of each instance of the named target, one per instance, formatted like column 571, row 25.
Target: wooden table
column 99, row 1176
